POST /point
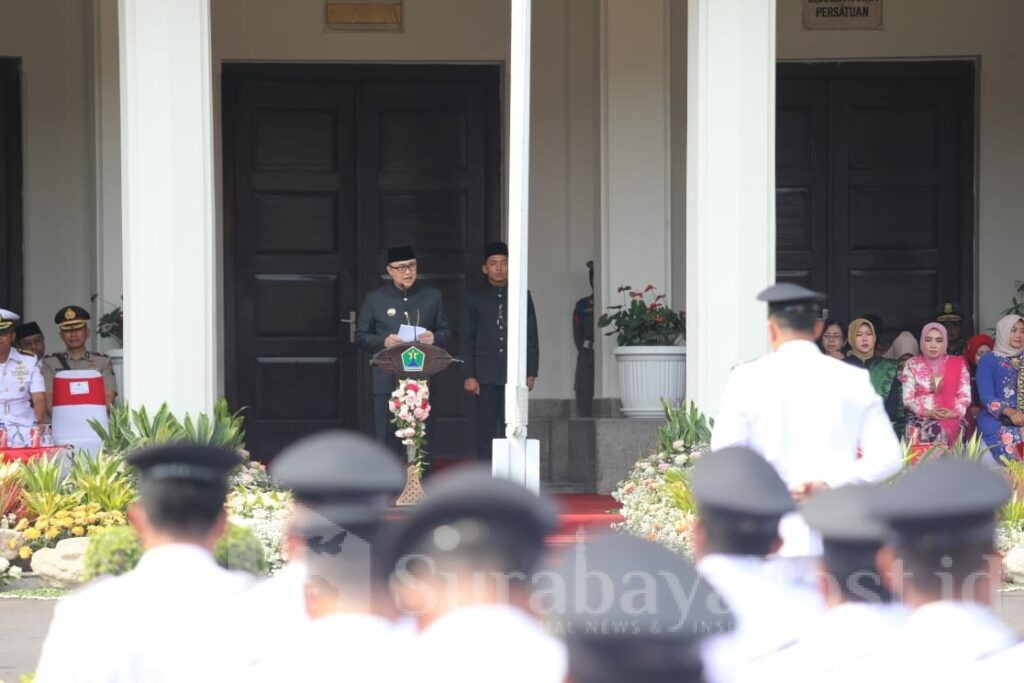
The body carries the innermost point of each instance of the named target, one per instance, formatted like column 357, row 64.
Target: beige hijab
column 1003, row 328
column 904, row 344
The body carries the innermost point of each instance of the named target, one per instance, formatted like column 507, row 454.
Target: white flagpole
column 514, row 458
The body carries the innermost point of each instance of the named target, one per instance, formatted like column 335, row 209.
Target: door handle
column 351, row 322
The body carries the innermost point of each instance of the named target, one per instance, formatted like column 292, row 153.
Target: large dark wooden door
column 874, row 175
column 11, row 293
column 326, row 167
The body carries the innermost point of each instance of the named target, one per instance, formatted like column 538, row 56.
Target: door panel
column 328, row 166
column 11, row 262
column 893, row 177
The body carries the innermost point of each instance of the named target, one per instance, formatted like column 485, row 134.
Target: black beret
column 401, row 253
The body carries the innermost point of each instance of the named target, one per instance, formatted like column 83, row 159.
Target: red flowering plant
column 644, row 319
column 410, row 407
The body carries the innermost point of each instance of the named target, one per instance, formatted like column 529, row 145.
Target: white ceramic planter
column 647, row 374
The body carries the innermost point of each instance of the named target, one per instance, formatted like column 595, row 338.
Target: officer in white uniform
column 848, row 640
column 741, row 500
column 942, row 520
column 633, row 611
column 331, row 473
column 148, row 624
column 462, row 563
column 22, row 391
column 818, row 422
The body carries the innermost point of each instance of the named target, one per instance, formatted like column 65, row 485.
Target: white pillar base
column 517, row 460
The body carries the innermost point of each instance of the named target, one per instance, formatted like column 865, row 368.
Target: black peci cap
column 496, row 249
column 29, row 329
column 401, row 253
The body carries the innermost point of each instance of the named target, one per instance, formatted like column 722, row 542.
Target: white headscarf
column 904, row 344
column 1003, row 328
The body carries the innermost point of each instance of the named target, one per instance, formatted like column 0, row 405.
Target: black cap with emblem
column 741, row 490
column 941, row 505
column 401, row 253
column 617, row 632
column 71, row 318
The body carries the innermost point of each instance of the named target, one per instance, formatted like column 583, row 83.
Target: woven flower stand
column 413, row 493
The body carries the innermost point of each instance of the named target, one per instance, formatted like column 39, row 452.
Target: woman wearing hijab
column 936, row 390
column 903, row 348
column 1002, row 391
column 882, row 371
column 977, row 346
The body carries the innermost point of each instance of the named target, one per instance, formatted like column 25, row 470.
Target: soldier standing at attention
column 583, row 336
column 384, row 311
column 483, row 347
column 73, row 323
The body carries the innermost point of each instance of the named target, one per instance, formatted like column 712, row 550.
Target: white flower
column 679, row 444
column 15, row 572
column 1013, row 565
column 4, row 564
column 682, row 459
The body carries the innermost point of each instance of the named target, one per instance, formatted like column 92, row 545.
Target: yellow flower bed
column 81, row 520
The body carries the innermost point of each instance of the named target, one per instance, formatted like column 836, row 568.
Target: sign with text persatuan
column 843, row 14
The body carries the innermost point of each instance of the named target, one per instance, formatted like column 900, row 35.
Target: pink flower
column 412, row 386
column 420, row 414
column 1007, row 439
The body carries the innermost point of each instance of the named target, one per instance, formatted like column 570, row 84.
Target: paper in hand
column 410, row 333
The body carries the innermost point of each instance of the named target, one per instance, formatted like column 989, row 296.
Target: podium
column 417, row 361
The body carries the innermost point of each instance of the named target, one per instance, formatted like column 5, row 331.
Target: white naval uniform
column 941, row 638
column 494, row 643
column 146, row 625
column 770, row 613
column 808, row 415
column 845, row 644
column 19, row 379
column 1002, row 665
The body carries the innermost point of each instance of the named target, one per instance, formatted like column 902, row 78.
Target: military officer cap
column 184, row 462
column 337, row 468
column 401, row 253
column 71, row 318
column 740, row 486
column 29, row 329
column 7, row 320
column 467, row 509
column 942, row 504
column 792, row 298
column 496, row 249
column 949, row 314
column 844, row 515
column 615, row 635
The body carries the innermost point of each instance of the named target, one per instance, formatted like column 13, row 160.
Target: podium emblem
column 412, row 360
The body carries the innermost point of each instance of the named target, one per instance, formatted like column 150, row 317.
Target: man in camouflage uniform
column 73, row 323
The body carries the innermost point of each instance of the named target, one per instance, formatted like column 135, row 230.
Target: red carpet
column 590, row 511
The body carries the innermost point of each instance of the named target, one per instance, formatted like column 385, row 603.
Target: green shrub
column 112, row 552
column 240, row 550
column 685, row 424
column 117, row 550
column 103, row 479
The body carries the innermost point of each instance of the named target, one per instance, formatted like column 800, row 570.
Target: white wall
column 563, row 156
column 990, row 30
column 53, row 40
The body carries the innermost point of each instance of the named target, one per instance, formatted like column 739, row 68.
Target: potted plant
column 651, row 364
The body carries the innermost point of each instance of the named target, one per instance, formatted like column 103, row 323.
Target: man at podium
column 395, row 313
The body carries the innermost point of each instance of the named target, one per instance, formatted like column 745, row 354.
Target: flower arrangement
column 642, row 322
column 47, row 531
column 111, row 324
column 410, row 407
column 265, row 513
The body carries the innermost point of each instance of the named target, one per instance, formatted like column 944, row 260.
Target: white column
column 730, row 221
column 106, row 109
column 636, row 237
column 167, row 199
column 514, row 457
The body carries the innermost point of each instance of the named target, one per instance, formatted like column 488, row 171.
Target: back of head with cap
column 941, row 523
column 792, row 307
column 182, row 487
column 631, row 610
column 741, row 498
